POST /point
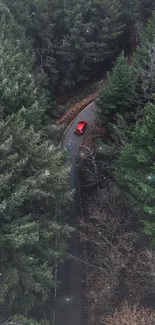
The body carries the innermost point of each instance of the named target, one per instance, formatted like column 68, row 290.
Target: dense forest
column 48, row 48
column 119, row 224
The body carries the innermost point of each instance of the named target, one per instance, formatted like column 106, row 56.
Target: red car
column 81, row 127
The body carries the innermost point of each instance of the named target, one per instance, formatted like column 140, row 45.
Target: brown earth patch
column 72, row 112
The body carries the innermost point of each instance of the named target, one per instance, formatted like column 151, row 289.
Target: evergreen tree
column 144, row 65
column 93, row 30
column 43, row 22
column 34, row 178
column 130, row 87
column 122, row 101
column 117, row 111
column 33, row 208
column 118, row 95
column 21, row 87
column 71, row 39
column 136, row 170
column 21, row 320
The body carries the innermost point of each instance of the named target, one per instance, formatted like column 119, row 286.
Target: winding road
column 69, row 304
column 71, row 140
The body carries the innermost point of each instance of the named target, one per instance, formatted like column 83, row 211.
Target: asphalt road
column 70, row 140
column 69, row 305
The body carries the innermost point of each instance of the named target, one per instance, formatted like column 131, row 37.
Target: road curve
column 69, row 305
column 70, row 140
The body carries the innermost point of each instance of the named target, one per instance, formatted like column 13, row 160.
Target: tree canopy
column 34, row 195
column 21, row 86
column 71, row 39
column 47, row 47
column 128, row 101
column 34, row 180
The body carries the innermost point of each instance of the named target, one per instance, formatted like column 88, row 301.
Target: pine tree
column 33, row 208
column 21, row 320
column 136, row 170
column 71, row 39
column 34, row 179
column 117, row 111
column 122, row 102
column 130, row 87
column 118, row 96
column 94, row 29
column 43, row 22
column 21, row 87
column 144, row 64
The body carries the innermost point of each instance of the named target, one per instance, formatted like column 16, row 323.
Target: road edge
column 74, row 120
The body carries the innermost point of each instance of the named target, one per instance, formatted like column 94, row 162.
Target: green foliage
column 34, row 193
column 137, row 168
column 71, row 39
column 130, row 14
column 144, row 65
column 130, row 87
column 21, row 320
column 132, row 136
column 33, row 207
column 21, row 87
column 93, row 29
column 117, row 97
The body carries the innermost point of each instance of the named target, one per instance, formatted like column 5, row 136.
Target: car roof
column 81, row 124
